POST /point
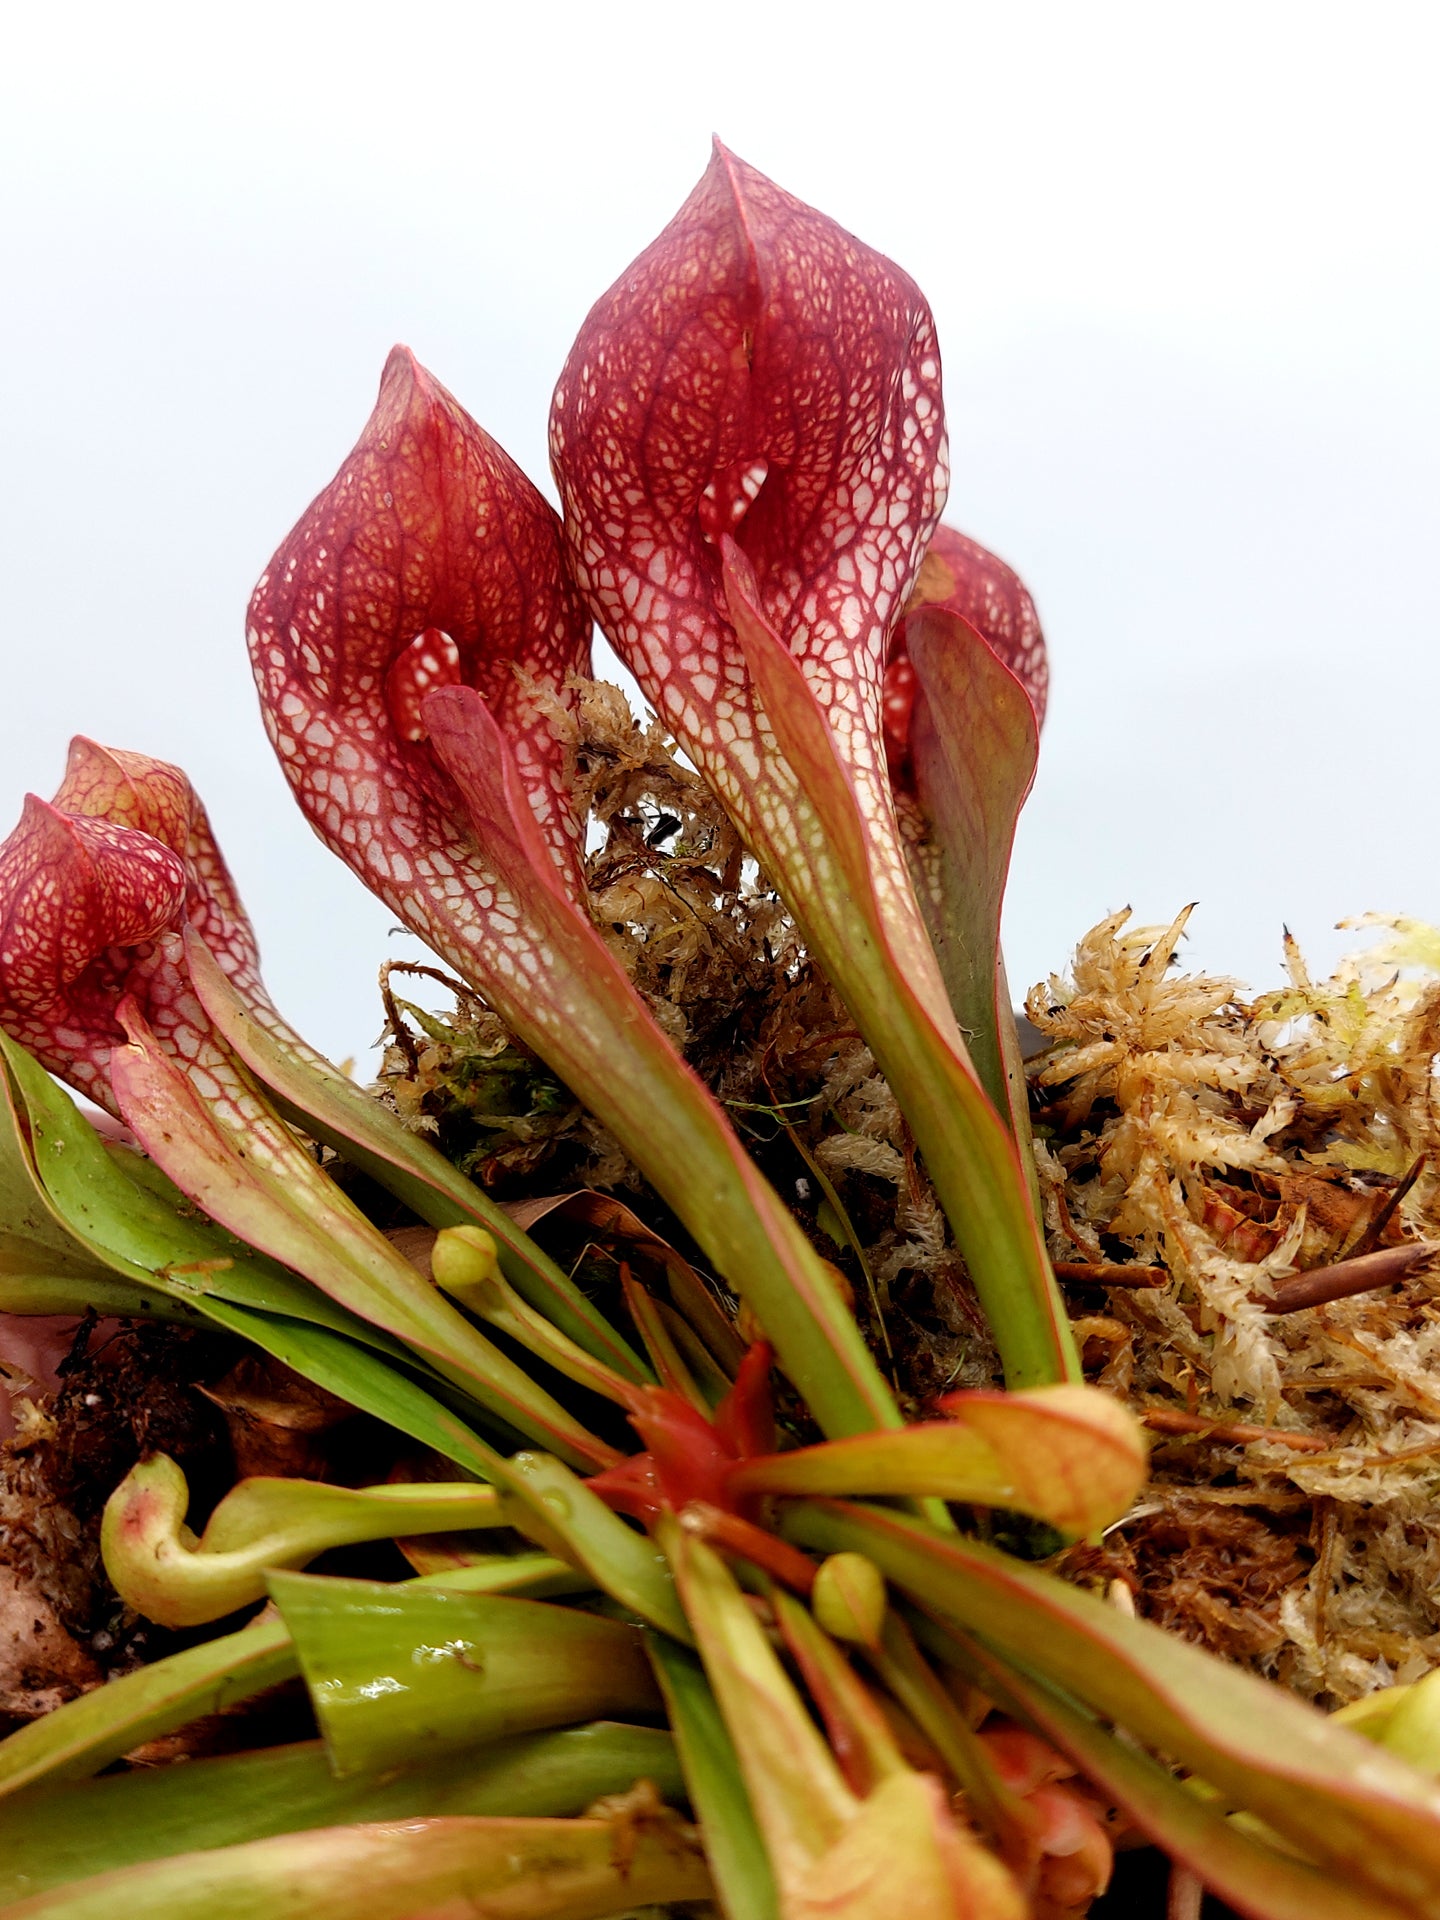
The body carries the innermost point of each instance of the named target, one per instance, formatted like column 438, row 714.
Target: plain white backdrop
column 1183, row 260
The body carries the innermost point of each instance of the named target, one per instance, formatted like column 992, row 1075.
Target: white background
column 1184, row 266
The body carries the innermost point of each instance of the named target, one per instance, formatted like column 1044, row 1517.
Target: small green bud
column 466, row 1264
column 848, row 1598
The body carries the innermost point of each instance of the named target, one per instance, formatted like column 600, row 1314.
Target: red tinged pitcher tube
column 748, row 438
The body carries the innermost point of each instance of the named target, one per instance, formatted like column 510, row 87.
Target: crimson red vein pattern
column 404, row 586
column 757, row 372
column 95, row 888
column 83, row 908
column 134, row 790
column 964, row 578
column 430, row 560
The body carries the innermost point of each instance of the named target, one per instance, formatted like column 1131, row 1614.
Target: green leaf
column 1069, row 1455
column 733, row 1845
column 158, row 1567
column 87, row 1733
column 843, row 876
column 332, row 1108
column 401, row 1673
column 365, row 1380
column 235, row 1157
column 974, row 743
column 33, row 1243
column 524, row 1869
column 1331, row 1794
column 623, row 1563
column 119, row 1211
column 146, row 1237
column 72, row 1832
column 45, row 1293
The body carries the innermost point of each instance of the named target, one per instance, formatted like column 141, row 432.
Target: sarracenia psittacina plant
column 749, row 443
column 408, row 640
column 966, row 680
column 94, row 980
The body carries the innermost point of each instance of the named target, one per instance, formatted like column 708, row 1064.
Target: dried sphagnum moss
column 1230, row 1144
column 1220, row 1143
column 708, row 944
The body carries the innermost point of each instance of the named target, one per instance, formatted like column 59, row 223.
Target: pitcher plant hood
column 961, row 577
column 757, row 373
column 83, row 908
column 429, row 561
column 749, row 443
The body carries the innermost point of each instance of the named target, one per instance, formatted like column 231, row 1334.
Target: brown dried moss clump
column 1215, row 1160
column 712, row 949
